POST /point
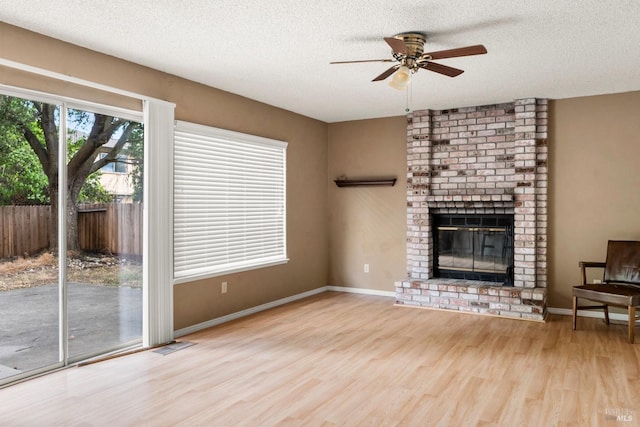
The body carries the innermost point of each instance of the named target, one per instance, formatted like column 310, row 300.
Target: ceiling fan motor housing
column 415, row 47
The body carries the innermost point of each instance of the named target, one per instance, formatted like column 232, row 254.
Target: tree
column 22, row 180
column 135, row 154
column 36, row 124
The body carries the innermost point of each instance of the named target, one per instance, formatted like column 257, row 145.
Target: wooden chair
column 620, row 286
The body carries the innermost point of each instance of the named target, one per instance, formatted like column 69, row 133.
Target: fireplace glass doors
column 474, row 247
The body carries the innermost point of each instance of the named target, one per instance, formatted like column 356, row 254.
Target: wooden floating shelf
column 377, row 182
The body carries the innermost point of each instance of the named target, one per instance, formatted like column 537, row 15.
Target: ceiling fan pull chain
column 409, row 98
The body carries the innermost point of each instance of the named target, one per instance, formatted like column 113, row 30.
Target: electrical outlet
column 366, row 268
column 597, row 281
column 224, row 287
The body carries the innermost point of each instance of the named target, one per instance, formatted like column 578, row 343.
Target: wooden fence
column 23, row 229
column 114, row 228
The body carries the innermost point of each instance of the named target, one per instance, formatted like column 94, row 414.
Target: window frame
column 216, row 135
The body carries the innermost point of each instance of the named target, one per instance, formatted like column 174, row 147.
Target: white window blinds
column 229, row 202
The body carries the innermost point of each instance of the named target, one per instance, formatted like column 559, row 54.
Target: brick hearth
column 478, row 160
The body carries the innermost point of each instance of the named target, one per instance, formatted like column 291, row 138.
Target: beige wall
column 306, row 166
column 594, row 183
column 367, row 224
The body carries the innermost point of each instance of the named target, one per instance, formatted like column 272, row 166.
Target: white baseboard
column 587, row 313
column 233, row 316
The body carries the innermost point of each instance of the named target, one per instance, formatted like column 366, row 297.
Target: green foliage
column 93, row 191
column 135, row 152
column 22, row 178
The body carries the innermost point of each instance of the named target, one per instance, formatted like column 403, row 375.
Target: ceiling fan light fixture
column 401, row 78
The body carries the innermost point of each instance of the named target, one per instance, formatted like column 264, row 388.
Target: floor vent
column 171, row 348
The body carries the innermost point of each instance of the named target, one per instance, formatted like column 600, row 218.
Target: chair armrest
column 588, row 264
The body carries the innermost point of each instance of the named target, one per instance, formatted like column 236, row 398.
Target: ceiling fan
column 408, row 52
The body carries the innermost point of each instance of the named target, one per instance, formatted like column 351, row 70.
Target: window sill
column 211, row 274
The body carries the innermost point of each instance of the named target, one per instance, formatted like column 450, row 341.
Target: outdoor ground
column 103, row 298
column 97, row 269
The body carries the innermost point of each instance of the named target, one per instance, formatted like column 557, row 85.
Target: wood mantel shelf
column 377, row 182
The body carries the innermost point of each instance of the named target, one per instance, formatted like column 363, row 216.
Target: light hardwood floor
column 348, row 360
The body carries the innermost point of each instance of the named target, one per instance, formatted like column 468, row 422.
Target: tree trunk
column 72, row 226
column 72, row 218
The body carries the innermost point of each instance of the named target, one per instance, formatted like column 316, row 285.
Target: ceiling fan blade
column 442, row 69
column 364, row 60
column 397, row 45
column 386, row 73
column 454, row 53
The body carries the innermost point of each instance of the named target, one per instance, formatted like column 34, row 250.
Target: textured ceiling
column 278, row 51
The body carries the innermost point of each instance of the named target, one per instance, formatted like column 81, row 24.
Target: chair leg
column 606, row 314
column 632, row 323
column 575, row 310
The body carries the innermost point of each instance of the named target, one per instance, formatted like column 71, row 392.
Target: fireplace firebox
column 474, row 247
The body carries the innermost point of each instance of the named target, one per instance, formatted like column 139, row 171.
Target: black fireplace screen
column 474, row 247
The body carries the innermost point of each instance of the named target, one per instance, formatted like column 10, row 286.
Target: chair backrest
column 623, row 262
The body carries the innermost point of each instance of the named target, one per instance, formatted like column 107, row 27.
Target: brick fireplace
column 486, row 160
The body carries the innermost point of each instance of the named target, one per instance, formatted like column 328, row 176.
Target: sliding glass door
column 29, row 272
column 70, row 237
column 104, row 232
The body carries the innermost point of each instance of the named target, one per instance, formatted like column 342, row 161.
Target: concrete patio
column 100, row 318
